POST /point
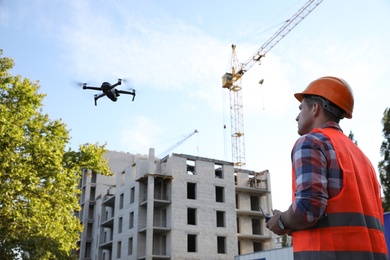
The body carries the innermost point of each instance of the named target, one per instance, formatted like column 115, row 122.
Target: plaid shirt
column 318, row 176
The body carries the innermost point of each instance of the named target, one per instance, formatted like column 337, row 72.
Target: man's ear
column 316, row 108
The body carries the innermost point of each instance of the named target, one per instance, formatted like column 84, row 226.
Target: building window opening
column 119, row 250
column 219, row 194
column 238, row 226
column 191, row 243
column 93, row 178
column 257, row 246
column 220, row 218
column 91, row 210
column 218, row 171
column 160, row 217
column 161, row 189
column 132, row 193
column 221, row 243
column 131, row 220
column 88, row 247
column 130, row 246
column 191, row 191
column 120, row 225
column 92, row 196
column 121, row 198
column 255, row 203
column 256, row 227
column 190, row 167
column 89, row 230
column 191, row 216
column 159, row 245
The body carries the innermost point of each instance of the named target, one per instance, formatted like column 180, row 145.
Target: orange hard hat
column 334, row 89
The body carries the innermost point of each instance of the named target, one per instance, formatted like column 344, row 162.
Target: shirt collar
column 331, row 124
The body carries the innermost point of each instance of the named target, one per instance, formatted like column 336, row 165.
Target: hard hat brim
column 299, row 96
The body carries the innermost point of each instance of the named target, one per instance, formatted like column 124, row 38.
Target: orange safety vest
column 353, row 227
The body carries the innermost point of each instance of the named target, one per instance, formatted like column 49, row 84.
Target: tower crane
column 178, row 143
column 232, row 80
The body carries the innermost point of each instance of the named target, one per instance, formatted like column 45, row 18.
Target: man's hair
column 332, row 111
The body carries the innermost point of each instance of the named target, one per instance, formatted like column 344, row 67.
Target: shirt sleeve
column 310, row 166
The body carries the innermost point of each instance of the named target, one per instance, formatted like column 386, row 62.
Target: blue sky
column 174, row 54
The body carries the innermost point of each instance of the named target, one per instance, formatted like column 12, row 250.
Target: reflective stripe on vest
column 353, row 227
column 331, row 255
column 349, row 219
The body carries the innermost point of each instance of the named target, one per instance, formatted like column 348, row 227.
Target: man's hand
column 274, row 226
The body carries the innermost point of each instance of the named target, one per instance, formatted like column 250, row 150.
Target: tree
column 38, row 174
column 352, row 137
column 384, row 165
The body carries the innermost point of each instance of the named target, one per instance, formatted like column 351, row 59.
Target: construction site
column 179, row 206
column 196, row 110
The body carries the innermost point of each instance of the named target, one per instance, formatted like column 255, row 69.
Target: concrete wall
column 206, row 206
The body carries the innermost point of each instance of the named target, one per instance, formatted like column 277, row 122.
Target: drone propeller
column 128, row 88
column 124, row 79
column 78, row 84
column 127, row 82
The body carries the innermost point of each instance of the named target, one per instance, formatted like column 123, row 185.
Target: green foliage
column 352, row 137
column 38, row 175
column 384, row 165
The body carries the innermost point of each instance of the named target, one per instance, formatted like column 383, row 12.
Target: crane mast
column 233, row 80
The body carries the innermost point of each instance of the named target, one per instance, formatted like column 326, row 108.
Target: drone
column 109, row 91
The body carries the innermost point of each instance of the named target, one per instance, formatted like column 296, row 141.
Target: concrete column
column 150, row 206
column 86, row 189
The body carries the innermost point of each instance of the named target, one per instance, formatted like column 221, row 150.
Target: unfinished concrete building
column 178, row 207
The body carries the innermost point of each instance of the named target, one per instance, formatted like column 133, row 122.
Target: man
column 336, row 211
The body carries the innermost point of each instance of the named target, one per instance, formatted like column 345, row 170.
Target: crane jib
column 232, row 80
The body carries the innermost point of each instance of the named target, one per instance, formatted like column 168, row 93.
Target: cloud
column 139, row 134
column 160, row 52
